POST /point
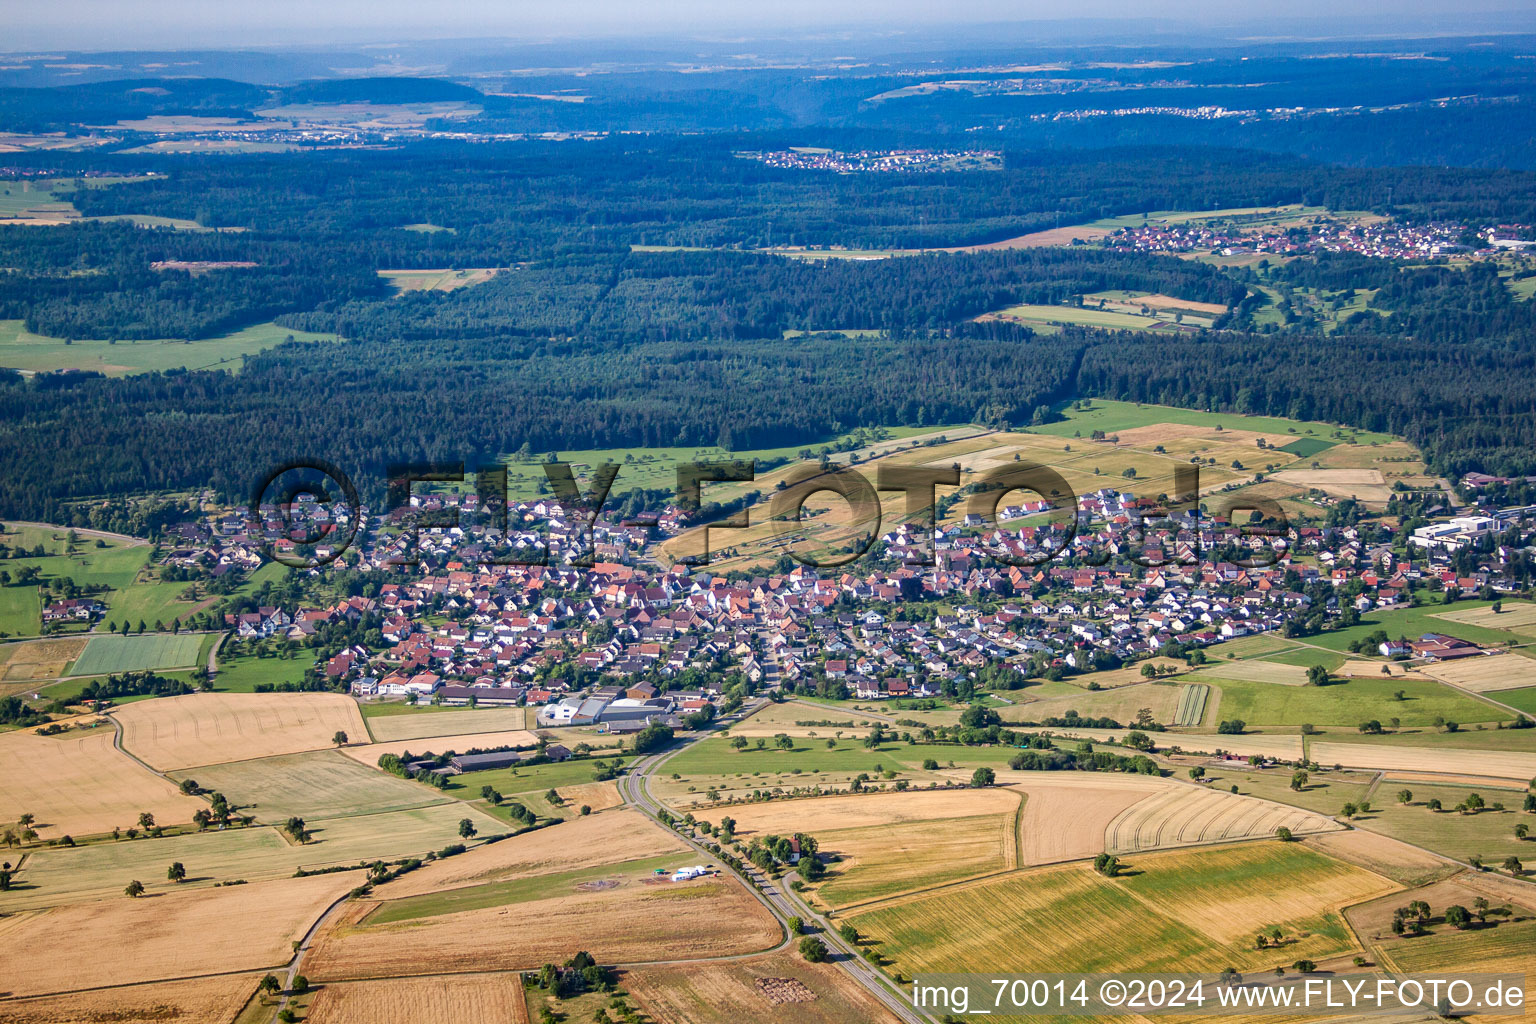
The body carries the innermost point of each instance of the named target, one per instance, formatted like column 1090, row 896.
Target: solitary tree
column 340, row 738
column 983, row 777
column 1299, row 780
column 813, row 949
column 1405, row 796
column 1283, row 834
column 135, row 889
column 176, row 872
column 466, row 828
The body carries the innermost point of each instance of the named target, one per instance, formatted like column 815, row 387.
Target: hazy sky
column 111, row 24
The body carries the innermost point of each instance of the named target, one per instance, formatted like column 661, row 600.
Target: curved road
column 781, row 901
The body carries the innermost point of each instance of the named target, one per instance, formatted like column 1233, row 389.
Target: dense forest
column 702, row 295
column 318, row 225
column 580, row 342
column 1464, row 102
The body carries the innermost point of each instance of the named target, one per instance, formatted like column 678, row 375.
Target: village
column 625, row 641
column 1375, row 237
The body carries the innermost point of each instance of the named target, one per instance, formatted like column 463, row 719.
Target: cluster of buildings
column 620, row 644
column 74, row 609
column 1384, row 238
column 881, row 160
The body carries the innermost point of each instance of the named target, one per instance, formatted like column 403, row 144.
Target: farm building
column 77, row 609
column 1439, row 647
column 485, row 762
column 481, row 696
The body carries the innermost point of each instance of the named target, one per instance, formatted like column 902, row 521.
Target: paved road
column 781, row 901
column 127, row 541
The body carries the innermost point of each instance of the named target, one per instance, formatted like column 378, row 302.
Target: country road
column 776, row 899
column 780, row 900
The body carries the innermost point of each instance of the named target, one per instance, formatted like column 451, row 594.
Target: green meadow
column 1347, row 703
column 656, row 468
column 20, row 349
column 111, row 653
column 1415, row 622
column 1111, row 417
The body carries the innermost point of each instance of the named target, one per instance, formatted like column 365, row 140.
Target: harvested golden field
column 789, row 716
column 431, row 725
column 597, row 795
column 1129, row 675
column 1365, row 484
column 79, row 785
column 1497, row 764
column 1204, row 889
column 53, row 876
column 1161, row 433
column 820, row 814
column 1066, row 813
column 753, row 990
column 1512, row 615
column 1171, row 302
column 172, row 935
column 1188, row 815
column 880, row 861
column 437, row 280
column 200, row 1001
column 447, row 999
column 707, row 917
column 215, row 728
column 1254, row 646
column 38, row 659
column 1443, row 779
column 1143, row 922
column 1480, row 675
column 1039, row 239
column 369, row 753
column 1359, row 668
column 1122, row 703
column 1382, row 854
column 1253, row 671
column 579, row 843
column 313, row 785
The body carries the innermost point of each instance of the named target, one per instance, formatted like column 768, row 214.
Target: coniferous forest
column 633, row 310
